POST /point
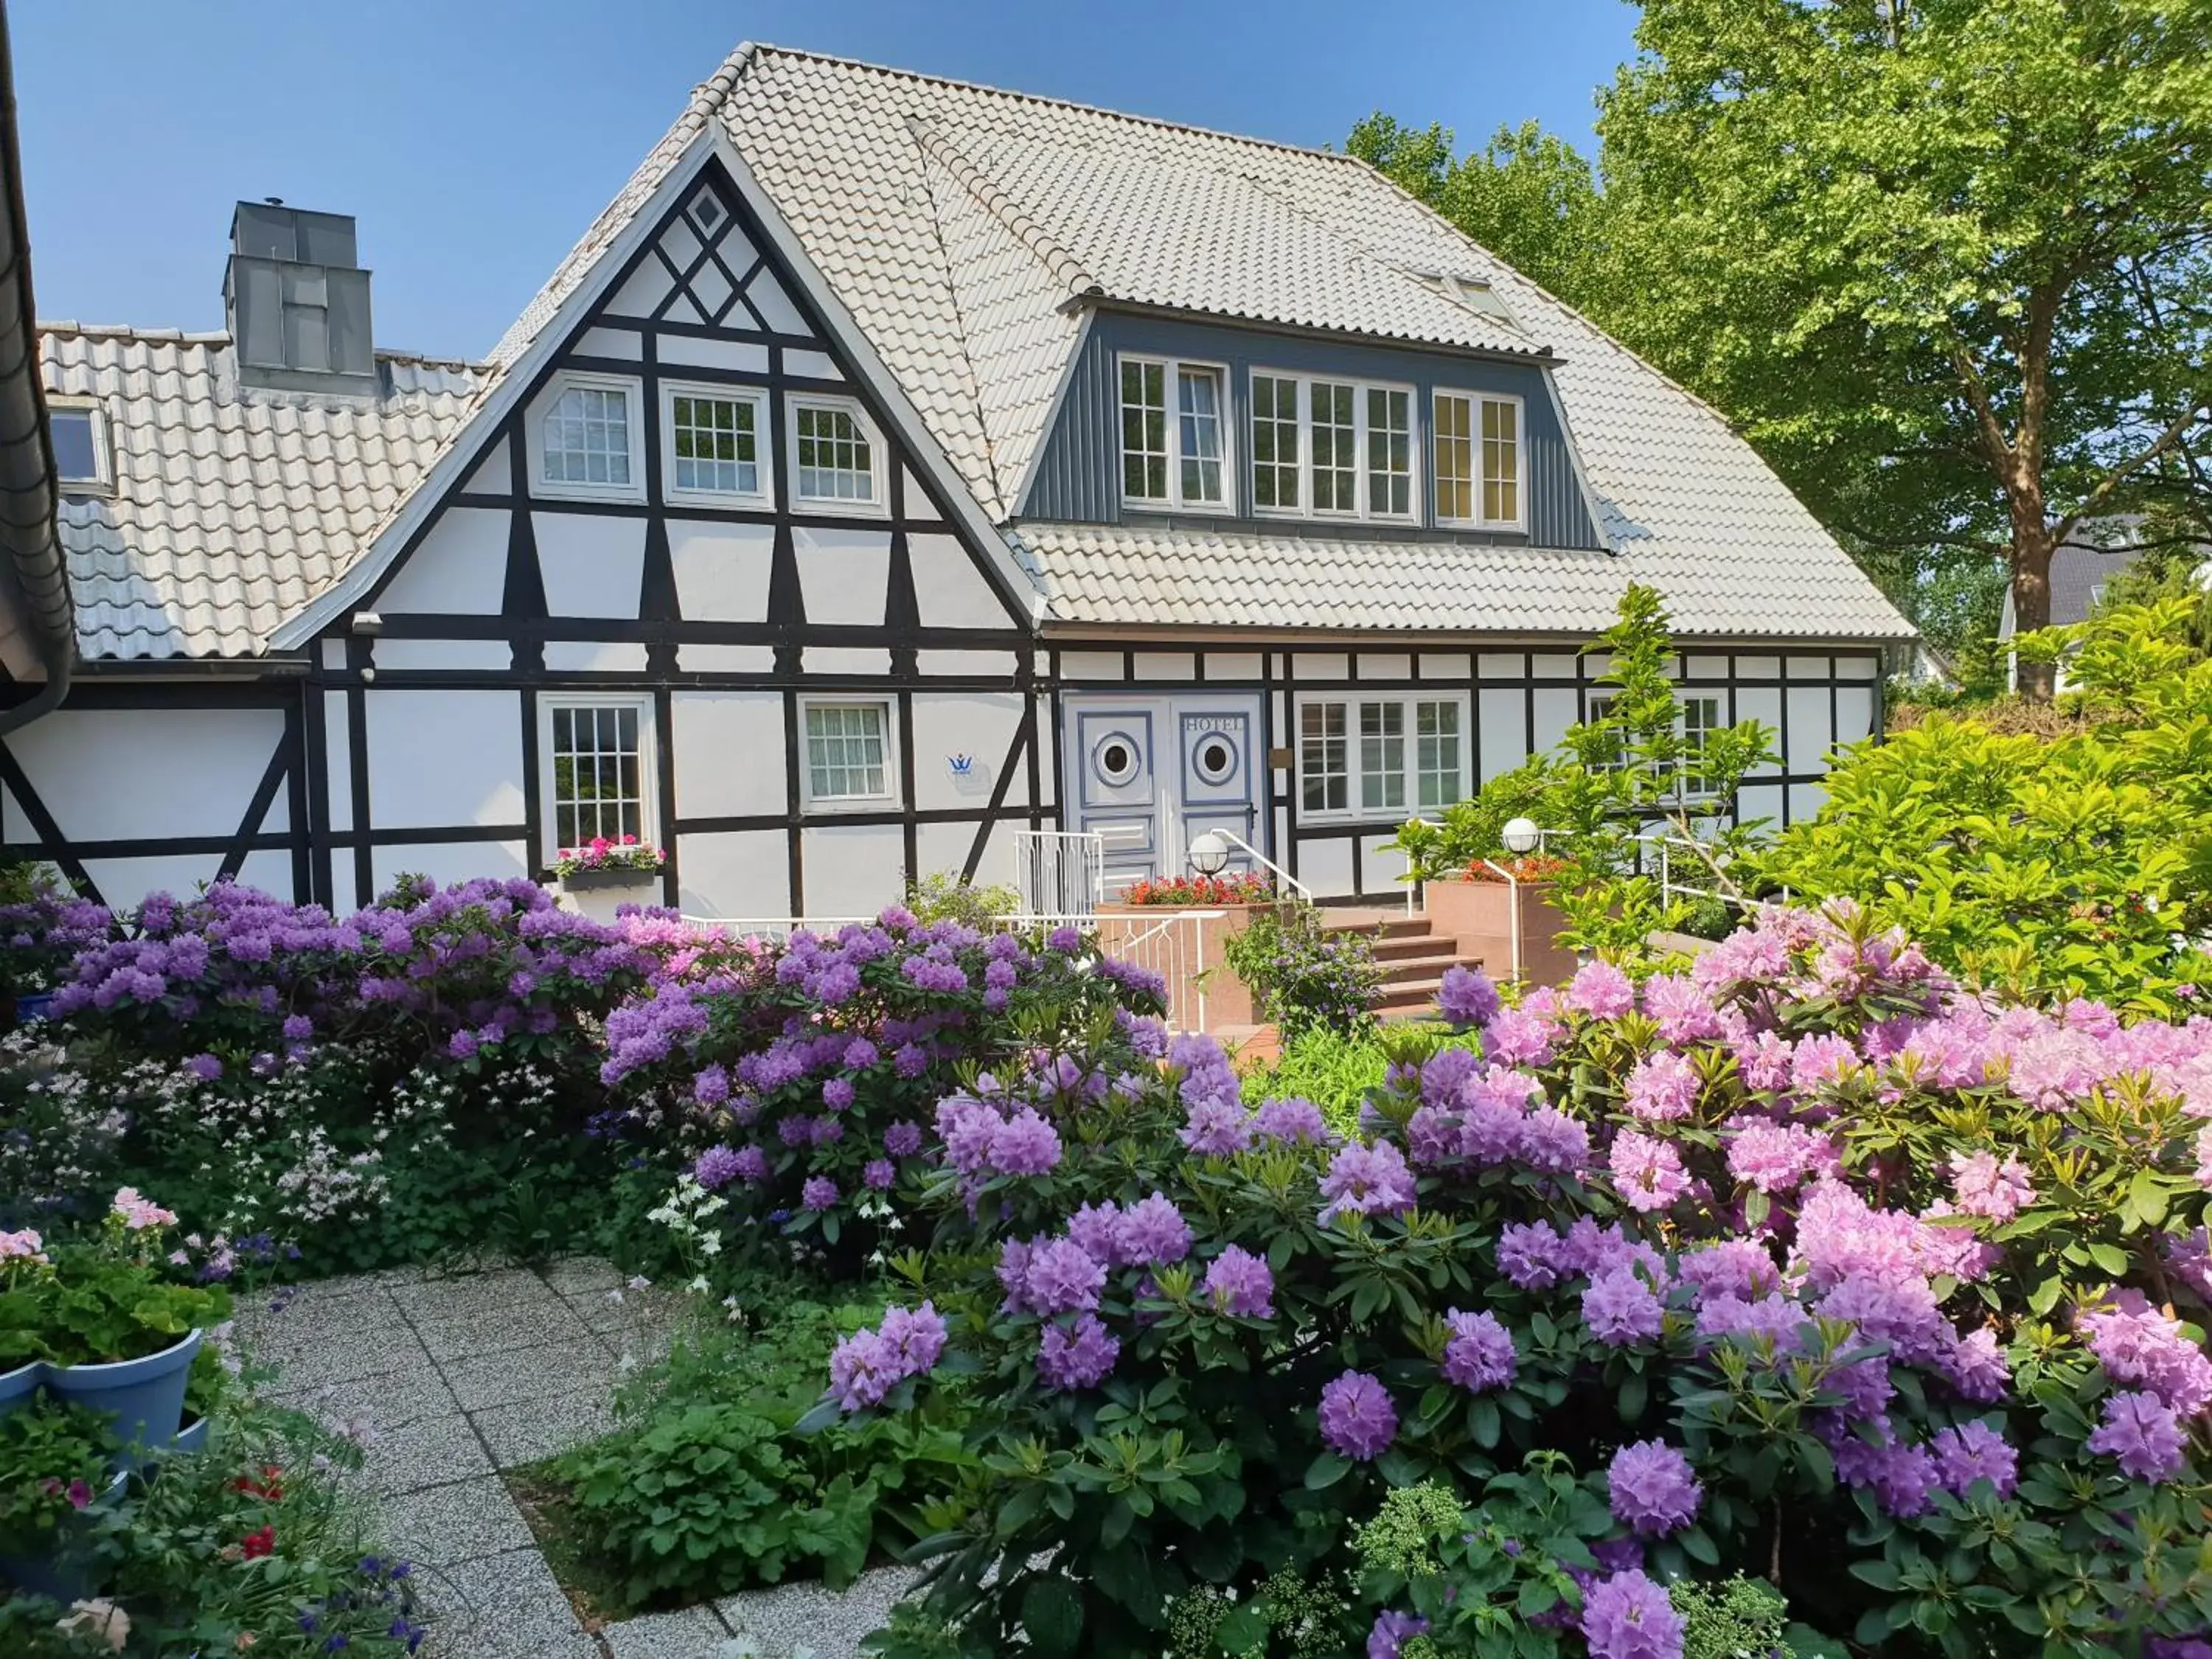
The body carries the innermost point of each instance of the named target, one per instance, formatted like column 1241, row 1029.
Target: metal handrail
column 1266, row 864
column 1513, row 905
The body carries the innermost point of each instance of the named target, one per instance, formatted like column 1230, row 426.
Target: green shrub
column 1304, row 975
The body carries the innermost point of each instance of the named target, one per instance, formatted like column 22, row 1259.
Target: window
column 1701, row 718
column 1173, row 463
column 849, row 756
column 1389, row 451
column 599, row 771
column 79, row 432
column 1409, row 755
column 586, row 438
column 716, row 444
column 837, row 458
column 1322, row 771
column 1614, row 757
column 1435, row 761
column 1275, row 468
column 1343, row 448
column 1478, row 460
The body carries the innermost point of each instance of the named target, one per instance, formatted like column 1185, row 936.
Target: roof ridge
column 753, row 49
column 1061, row 266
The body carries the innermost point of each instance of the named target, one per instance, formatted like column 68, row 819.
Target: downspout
column 28, row 497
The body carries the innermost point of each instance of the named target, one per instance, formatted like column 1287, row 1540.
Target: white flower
column 640, row 1283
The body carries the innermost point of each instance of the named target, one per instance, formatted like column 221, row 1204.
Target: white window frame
column 648, row 760
column 1172, row 371
column 893, row 772
column 571, row 489
column 1407, row 699
column 1364, row 512
column 763, row 445
column 1474, row 401
column 879, row 504
column 102, row 481
column 1692, row 781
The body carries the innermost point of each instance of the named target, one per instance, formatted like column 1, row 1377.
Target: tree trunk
column 2031, row 545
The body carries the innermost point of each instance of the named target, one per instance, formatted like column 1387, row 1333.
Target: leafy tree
column 1946, row 260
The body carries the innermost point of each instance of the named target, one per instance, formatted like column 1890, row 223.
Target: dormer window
column 1478, row 461
column 82, row 459
column 1173, row 432
column 1322, row 447
column 586, row 438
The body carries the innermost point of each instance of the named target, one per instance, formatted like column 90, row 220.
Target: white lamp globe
column 1209, row 853
column 1521, row 836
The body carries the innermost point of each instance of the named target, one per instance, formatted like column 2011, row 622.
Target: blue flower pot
column 55, row 1574
column 192, row 1437
column 20, row 1386
column 144, row 1398
column 33, row 1005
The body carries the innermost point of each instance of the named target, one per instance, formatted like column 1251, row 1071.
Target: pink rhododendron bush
column 1801, row 1266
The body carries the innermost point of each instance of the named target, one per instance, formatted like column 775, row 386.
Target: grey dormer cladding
column 1077, row 474
column 297, row 301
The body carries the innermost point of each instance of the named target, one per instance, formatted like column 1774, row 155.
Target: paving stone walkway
column 457, row 1377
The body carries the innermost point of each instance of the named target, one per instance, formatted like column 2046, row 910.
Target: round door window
column 1215, row 759
column 1114, row 759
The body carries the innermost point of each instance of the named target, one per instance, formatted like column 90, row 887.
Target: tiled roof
column 1228, row 578
column 965, row 227
column 232, row 507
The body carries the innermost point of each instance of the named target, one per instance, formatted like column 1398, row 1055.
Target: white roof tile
column 232, row 507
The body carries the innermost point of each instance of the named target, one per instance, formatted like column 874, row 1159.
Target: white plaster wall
column 269, row 869
column 1233, row 666
column 738, row 873
column 981, row 726
column 1557, row 709
column 460, row 568
column 1854, row 712
column 811, row 365
column 1810, row 730
column 1326, row 866
column 594, row 657
column 443, row 757
column 338, row 758
column 721, row 569
column 494, row 655
column 843, row 574
column 1762, row 703
column 495, row 474
column 1755, row 802
column 1447, row 665
column 1806, row 801
column 973, row 664
column 449, row 862
column 853, row 869
column 610, row 343
column 845, row 659
column 725, row 659
column 949, row 592
column 690, row 350
column 644, row 290
column 1323, row 666
column 592, row 565
column 1385, row 665
column 1380, row 866
column 126, row 883
column 729, row 755
column 1091, row 665
column 128, row 775
column 773, row 305
column 1502, row 715
column 943, row 849
column 1166, row 665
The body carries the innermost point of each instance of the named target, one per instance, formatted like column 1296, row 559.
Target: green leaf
column 2113, row 1259
column 1052, row 1614
column 1632, row 1395
column 1326, row 1470
column 1244, row 1631
column 1881, row 1574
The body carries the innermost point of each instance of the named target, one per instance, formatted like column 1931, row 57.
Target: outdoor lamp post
column 1209, row 853
column 1521, row 835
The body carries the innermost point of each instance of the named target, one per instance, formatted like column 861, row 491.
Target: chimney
column 297, row 301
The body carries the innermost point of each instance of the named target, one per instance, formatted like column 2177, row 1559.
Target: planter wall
column 1479, row 915
column 1228, row 999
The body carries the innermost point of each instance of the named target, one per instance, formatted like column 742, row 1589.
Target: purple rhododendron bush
column 1803, row 1265
column 811, row 1072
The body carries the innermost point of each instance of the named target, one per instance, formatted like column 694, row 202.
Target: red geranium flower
column 267, row 1486
column 256, row 1544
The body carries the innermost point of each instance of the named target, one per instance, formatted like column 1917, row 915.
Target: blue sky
column 474, row 139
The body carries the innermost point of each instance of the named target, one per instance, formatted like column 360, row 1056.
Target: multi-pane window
column 1700, row 719
column 1389, row 451
column 1407, row 753
column 1275, row 442
column 1381, row 757
column 1614, row 755
column 1501, row 461
column 1335, row 447
column 1144, row 431
column 1341, row 447
column 1198, row 401
column 1174, row 428
column 1477, row 459
column 1324, row 771
column 835, row 458
column 586, row 437
column 713, row 444
column 598, row 773
column 1454, row 461
column 847, row 752
column 1435, row 754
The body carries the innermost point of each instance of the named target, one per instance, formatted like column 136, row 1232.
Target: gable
column 704, row 311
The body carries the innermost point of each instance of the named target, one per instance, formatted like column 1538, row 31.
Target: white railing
column 1059, row 871
column 1282, row 876
column 1708, row 860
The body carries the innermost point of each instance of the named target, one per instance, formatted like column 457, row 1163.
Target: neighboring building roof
column 2079, row 571
column 232, row 507
column 965, row 229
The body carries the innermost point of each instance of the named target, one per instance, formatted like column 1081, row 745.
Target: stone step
column 1430, row 965
column 1400, row 946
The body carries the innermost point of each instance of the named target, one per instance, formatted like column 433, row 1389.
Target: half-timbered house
column 895, row 464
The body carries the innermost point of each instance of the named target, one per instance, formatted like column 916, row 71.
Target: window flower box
column 1478, row 909
column 602, row 876
column 624, row 877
